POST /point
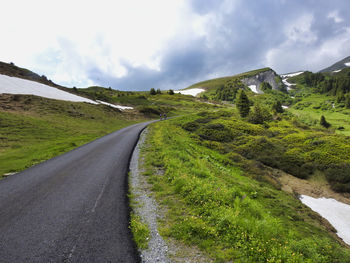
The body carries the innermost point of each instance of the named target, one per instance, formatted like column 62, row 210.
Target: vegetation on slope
column 145, row 102
column 218, row 197
column 12, row 70
column 313, row 99
column 216, row 83
column 34, row 129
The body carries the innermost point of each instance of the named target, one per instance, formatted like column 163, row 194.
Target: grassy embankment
column 176, row 104
column 322, row 94
column 207, row 170
column 213, row 84
column 309, row 107
column 34, row 129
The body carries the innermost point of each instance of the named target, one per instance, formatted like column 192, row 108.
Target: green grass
column 213, row 201
column 215, row 83
column 176, row 104
column 311, row 107
column 36, row 129
column 140, row 231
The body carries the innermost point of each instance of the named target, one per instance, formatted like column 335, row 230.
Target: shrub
column 148, row 110
column 216, row 132
column 152, row 91
column 243, row 103
column 190, row 126
column 277, row 107
column 259, row 115
column 171, row 92
column 265, row 86
column 324, row 123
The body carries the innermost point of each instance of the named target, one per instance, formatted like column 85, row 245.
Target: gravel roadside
column 147, row 209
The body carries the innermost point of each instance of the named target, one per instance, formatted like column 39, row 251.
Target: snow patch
column 115, row 106
column 289, row 85
column 347, row 64
column 285, row 107
column 289, row 75
column 337, row 213
column 253, row 88
column 337, row 70
column 13, row 85
column 193, row 92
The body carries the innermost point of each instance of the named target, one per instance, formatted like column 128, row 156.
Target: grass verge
column 232, row 217
column 34, row 129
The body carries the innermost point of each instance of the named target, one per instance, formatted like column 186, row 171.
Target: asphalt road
column 72, row 208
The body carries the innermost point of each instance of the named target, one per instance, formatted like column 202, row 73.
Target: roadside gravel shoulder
column 146, row 208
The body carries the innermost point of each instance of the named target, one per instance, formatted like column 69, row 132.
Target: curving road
column 72, row 208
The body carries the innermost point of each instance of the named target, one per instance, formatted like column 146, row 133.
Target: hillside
column 10, row 69
column 230, row 184
column 51, row 121
column 254, row 77
column 212, row 176
column 219, row 176
column 337, row 66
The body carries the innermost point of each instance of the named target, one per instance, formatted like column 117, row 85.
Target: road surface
column 72, row 208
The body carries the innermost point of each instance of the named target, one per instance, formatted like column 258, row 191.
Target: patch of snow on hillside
column 289, row 75
column 193, row 92
column 289, row 85
column 115, row 106
column 347, row 64
column 337, row 70
column 285, row 107
column 253, row 88
column 337, row 213
column 13, row 85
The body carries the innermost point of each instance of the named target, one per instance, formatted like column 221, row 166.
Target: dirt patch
column 316, row 187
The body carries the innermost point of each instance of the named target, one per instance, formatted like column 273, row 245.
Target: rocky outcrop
column 268, row 76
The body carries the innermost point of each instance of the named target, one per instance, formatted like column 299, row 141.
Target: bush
column 152, row 91
column 243, row 104
column 148, row 110
column 216, row 132
column 324, row 123
column 339, row 177
column 190, row 126
column 171, row 92
column 259, row 115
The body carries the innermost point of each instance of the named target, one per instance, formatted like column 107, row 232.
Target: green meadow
column 219, row 198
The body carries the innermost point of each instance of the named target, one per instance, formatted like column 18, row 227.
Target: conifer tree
column 277, row 106
column 324, row 123
column 242, row 103
column 152, row 91
column 347, row 101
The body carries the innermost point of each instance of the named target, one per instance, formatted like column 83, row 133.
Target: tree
column 152, row 91
column 259, row 115
column 324, row 123
column 158, row 91
column 277, row 107
column 171, row 92
column 265, row 86
column 242, row 103
column 347, row 101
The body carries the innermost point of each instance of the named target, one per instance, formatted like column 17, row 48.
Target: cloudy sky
column 138, row 44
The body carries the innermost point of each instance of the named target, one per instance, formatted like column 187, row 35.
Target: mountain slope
column 338, row 65
column 12, row 70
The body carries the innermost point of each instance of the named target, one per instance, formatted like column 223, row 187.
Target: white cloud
column 334, row 15
column 287, row 58
column 299, row 30
column 102, row 33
